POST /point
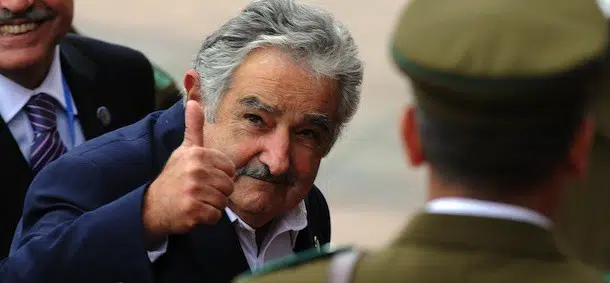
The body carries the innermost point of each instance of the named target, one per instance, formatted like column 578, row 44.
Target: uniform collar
column 483, row 234
column 473, row 207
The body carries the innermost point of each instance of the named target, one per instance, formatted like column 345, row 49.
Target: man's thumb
column 193, row 121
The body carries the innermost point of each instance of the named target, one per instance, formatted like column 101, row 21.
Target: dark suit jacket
column 437, row 248
column 98, row 74
column 87, row 225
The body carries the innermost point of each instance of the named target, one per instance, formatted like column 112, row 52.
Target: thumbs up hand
column 194, row 186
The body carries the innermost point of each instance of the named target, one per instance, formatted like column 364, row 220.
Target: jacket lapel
column 11, row 154
column 79, row 73
column 304, row 240
column 217, row 250
column 16, row 179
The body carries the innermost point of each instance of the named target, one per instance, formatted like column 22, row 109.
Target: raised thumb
column 194, row 121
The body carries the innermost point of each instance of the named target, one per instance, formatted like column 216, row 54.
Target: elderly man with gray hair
column 217, row 184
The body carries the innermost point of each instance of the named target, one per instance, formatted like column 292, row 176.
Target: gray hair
column 305, row 32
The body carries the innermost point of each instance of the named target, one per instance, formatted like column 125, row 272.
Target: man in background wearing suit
column 212, row 187
column 57, row 91
column 501, row 90
column 166, row 90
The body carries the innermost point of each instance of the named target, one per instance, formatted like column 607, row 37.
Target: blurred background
column 365, row 177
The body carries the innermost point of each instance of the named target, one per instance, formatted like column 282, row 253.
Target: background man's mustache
column 263, row 173
column 32, row 14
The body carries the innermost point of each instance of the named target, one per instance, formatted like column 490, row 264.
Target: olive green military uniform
column 485, row 64
column 583, row 222
column 437, row 248
column 166, row 92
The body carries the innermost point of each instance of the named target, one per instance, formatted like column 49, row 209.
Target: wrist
column 154, row 224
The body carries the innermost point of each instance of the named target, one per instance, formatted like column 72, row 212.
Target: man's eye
column 254, row 119
column 309, row 134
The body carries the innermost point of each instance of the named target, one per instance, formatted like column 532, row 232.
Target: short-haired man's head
column 503, row 159
column 311, row 36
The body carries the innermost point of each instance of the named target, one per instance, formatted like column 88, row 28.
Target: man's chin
column 21, row 59
column 253, row 204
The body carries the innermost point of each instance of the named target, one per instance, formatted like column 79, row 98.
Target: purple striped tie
column 47, row 144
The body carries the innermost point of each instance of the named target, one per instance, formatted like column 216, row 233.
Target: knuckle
column 212, row 152
column 223, row 185
column 194, row 172
column 214, row 215
column 223, row 201
column 190, row 208
column 210, row 215
column 230, row 189
column 190, row 223
column 191, row 187
column 195, row 151
column 191, row 220
column 229, row 186
column 218, row 200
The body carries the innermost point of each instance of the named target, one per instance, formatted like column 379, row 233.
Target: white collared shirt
column 473, row 207
column 279, row 240
column 14, row 97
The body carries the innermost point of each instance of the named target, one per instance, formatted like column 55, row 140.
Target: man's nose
column 16, row 6
column 276, row 153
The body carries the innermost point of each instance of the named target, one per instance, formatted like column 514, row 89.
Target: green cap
column 491, row 62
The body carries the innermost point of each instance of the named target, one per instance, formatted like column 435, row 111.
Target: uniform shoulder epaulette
column 294, row 260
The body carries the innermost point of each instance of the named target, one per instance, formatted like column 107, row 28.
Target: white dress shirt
column 279, row 241
column 472, row 207
column 13, row 98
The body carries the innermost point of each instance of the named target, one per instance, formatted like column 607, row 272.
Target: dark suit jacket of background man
column 98, row 74
column 87, row 225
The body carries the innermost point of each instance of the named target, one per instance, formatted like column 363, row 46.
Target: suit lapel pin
column 316, row 242
column 103, row 114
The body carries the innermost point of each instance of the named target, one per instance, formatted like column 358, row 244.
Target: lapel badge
column 103, row 114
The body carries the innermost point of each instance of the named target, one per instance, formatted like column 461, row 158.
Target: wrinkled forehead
column 270, row 76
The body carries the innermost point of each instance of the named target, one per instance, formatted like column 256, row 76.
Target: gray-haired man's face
column 276, row 123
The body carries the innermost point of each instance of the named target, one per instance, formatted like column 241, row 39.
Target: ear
column 581, row 148
column 192, row 85
column 410, row 137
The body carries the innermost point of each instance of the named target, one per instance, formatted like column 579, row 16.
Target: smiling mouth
column 17, row 28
